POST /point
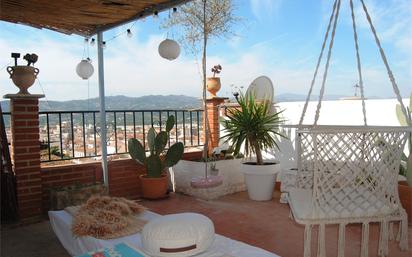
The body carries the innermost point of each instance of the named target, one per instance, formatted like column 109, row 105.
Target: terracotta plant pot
column 405, row 195
column 213, row 85
column 154, row 188
column 23, row 77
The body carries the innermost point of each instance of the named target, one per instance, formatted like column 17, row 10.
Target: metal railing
column 66, row 135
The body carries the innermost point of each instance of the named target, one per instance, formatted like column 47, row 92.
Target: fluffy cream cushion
column 178, row 235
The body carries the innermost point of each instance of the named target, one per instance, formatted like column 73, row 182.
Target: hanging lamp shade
column 169, row 49
column 85, row 69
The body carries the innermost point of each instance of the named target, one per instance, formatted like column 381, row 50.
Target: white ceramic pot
column 260, row 180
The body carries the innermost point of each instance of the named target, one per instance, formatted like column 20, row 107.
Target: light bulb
column 92, row 42
column 129, row 33
column 104, row 44
column 155, row 15
column 86, row 40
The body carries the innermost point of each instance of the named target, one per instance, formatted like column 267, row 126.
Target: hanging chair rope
column 343, row 171
column 318, row 64
column 334, row 18
column 385, row 61
column 325, row 73
column 358, row 61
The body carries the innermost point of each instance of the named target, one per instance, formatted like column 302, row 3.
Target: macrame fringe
column 321, row 241
column 365, row 240
column 398, row 235
column 341, row 242
column 391, row 233
column 383, row 239
column 403, row 231
column 307, row 240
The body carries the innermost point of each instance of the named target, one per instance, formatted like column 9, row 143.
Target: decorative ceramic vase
column 213, row 85
column 23, row 77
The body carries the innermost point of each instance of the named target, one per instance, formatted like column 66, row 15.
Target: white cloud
column 134, row 68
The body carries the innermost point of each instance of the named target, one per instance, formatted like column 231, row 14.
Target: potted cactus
column 213, row 83
column 155, row 182
column 405, row 188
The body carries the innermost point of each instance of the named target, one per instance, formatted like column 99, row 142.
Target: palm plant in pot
column 155, row 181
column 405, row 188
column 254, row 128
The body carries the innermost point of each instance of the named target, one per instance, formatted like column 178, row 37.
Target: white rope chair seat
column 348, row 174
column 348, row 207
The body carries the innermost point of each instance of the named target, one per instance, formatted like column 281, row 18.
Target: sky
column 277, row 38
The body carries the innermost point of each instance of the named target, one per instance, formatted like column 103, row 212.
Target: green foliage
column 136, row 150
column 151, row 136
column 174, row 154
column 154, row 166
column 406, row 165
column 252, row 125
column 160, row 142
column 157, row 161
column 55, row 150
column 170, row 123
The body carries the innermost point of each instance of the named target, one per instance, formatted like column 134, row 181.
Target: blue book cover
column 119, row 250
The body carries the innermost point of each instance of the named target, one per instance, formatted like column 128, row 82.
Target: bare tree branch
column 189, row 20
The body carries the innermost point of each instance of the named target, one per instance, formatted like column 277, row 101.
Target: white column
column 102, row 108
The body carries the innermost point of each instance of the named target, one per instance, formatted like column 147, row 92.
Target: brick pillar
column 25, row 153
column 212, row 112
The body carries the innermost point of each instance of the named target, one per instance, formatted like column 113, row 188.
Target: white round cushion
column 178, row 235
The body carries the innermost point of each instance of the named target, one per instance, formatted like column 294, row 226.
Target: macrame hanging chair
column 349, row 174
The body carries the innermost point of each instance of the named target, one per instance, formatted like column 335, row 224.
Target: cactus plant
column 158, row 160
column 406, row 166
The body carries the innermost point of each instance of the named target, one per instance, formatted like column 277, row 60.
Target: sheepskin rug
column 106, row 217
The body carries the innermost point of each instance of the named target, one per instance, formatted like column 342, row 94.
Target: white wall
column 344, row 112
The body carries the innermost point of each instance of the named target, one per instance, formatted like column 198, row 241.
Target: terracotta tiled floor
column 267, row 225
column 262, row 224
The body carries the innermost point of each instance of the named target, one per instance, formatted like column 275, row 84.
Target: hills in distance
column 120, row 102
column 148, row 102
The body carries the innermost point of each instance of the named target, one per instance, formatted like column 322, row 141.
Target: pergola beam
column 141, row 15
column 82, row 17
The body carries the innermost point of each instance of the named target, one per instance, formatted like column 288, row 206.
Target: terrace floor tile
column 263, row 224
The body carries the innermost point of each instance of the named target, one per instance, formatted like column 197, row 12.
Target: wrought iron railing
column 66, row 135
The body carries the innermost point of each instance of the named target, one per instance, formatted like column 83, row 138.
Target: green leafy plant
column 159, row 159
column 252, row 125
column 406, row 164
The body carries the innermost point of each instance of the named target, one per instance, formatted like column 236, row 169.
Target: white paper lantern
column 85, row 69
column 169, row 49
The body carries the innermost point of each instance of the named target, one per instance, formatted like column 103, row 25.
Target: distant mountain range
column 149, row 102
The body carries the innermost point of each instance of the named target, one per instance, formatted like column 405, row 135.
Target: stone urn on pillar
column 213, row 83
column 23, row 76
